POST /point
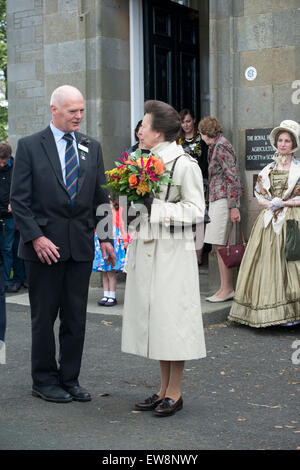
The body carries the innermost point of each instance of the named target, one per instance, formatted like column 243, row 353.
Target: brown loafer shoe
column 168, row 407
column 148, row 404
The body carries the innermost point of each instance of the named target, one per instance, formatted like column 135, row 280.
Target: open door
column 171, row 54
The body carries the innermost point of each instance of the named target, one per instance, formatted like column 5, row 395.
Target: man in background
column 8, row 232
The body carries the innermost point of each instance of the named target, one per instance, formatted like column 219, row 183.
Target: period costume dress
column 268, row 289
column 162, row 311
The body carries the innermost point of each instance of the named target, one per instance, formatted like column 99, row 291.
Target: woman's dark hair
column 185, row 112
column 165, row 119
column 291, row 136
column 137, row 129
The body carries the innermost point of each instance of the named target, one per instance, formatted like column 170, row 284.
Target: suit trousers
column 57, row 289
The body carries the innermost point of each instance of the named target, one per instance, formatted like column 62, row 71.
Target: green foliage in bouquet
column 137, row 176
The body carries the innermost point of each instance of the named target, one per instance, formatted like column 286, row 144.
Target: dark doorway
column 171, row 54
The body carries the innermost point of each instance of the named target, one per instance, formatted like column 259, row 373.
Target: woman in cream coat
column 162, row 310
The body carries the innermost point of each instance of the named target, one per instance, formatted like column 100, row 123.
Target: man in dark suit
column 56, row 189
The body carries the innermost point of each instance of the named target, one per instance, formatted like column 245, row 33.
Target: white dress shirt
column 61, row 144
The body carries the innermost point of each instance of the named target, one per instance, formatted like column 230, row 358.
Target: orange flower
column 130, row 162
column 133, row 181
column 143, row 188
column 159, row 166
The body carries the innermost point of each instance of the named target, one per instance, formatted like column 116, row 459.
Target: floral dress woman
column 197, row 148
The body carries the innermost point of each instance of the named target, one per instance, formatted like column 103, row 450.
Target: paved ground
column 244, row 395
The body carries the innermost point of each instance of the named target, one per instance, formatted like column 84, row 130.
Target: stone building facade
column 264, row 34
column 97, row 46
column 84, row 43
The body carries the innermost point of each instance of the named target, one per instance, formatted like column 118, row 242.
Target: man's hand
column 108, row 253
column 235, row 215
column 46, row 250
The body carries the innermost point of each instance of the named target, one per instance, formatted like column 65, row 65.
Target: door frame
column 137, row 83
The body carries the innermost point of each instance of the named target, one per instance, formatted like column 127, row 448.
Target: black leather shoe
column 13, row 288
column 168, row 407
column 102, row 301
column 110, row 302
column 149, row 404
column 52, row 393
column 78, row 393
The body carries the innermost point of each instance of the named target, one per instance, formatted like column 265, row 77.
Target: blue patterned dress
column 100, row 264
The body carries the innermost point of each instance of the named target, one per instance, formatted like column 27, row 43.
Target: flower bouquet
column 137, row 176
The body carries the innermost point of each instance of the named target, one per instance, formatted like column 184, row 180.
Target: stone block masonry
column 81, row 43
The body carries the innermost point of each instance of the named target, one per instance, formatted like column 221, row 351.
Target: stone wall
column 264, row 34
column 84, row 43
column 26, row 87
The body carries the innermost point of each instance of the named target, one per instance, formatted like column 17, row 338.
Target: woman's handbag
column 232, row 254
column 206, row 216
column 292, row 241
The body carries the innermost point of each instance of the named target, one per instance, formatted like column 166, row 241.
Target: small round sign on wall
column 251, row 73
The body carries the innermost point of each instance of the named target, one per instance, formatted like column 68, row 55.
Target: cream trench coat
column 162, row 311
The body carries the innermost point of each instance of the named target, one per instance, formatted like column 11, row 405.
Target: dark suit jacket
column 41, row 204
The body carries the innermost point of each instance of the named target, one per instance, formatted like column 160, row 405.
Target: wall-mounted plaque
column 259, row 151
column 251, row 73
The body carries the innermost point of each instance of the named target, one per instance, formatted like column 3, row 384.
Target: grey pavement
column 243, row 395
column 95, row 293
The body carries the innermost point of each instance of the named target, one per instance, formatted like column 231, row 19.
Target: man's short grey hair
column 59, row 94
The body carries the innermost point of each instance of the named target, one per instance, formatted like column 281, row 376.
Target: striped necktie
column 71, row 167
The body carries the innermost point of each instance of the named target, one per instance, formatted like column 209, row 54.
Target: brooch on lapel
column 83, row 147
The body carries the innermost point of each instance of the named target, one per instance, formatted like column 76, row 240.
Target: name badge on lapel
column 83, row 147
